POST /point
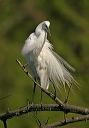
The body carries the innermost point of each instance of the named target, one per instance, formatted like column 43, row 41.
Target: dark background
column 70, row 37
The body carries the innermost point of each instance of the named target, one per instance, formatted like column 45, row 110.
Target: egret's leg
column 54, row 89
column 41, row 98
column 66, row 100
column 33, row 92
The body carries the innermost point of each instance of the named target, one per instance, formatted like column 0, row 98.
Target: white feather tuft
column 57, row 67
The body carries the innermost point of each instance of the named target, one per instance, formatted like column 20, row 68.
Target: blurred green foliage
column 70, row 37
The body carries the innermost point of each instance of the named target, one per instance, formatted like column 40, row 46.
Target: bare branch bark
column 44, row 107
column 67, row 121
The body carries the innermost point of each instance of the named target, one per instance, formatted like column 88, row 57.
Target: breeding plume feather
column 45, row 65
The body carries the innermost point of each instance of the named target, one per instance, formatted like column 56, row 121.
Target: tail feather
column 66, row 64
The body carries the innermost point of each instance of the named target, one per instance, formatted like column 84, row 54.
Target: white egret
column 45, row 65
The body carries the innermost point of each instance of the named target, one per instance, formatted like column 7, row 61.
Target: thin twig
column 5, row 97
column 37, row 121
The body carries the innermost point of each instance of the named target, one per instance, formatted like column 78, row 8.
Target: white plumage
column 45, row 65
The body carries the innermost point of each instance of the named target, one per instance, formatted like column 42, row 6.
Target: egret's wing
column 34, row 43
column 29, row 44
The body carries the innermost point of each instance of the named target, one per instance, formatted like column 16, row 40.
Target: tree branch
column 63, row 106
column 67, row 121
column 44, row 107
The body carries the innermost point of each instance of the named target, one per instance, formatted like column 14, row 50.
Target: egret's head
column 43, row 26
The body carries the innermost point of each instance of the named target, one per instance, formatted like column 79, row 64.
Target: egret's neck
column 42, row 36
column 40, row 32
